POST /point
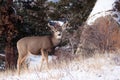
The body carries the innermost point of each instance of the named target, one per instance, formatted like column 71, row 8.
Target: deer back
column 35, row 43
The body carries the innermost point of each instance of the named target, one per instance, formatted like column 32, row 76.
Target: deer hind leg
column 18, row 66
column 19, row 63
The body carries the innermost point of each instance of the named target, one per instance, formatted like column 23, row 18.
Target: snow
column 34, row 61
column 98, row 68
column 102, row 5
column 54, row 0
column 2, row 55
column 101, row 9
column 58, row 22
column 117, row 18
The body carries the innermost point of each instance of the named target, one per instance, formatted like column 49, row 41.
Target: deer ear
column 51, row 27
column 66, row 22
column 65, row 25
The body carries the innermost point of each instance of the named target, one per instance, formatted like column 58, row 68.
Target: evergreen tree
column 35, row 17
column 76, row 11
column 8, row 21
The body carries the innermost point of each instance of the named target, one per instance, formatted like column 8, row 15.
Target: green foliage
column 76, row 11
column 35, row 18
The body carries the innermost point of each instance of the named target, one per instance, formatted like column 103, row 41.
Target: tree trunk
column 8, row 19
column 11, row 57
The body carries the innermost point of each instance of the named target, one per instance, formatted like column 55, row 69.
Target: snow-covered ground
column 98, row 67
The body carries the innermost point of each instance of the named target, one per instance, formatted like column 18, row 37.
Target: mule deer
column 36, row 44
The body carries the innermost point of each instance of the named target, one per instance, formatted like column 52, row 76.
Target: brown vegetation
column 103, row 35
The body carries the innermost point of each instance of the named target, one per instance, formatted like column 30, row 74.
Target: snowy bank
column 103, row 8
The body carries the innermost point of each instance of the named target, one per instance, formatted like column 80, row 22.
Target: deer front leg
column 42, row 58
column 46, row 58
column 44, row 54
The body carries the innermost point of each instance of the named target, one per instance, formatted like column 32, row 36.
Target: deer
column 39, row 44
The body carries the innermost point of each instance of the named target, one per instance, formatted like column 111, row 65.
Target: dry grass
column 65, row 66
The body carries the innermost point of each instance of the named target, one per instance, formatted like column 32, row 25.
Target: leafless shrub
column 102, row 36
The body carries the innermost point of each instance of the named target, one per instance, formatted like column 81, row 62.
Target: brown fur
column 36, row 44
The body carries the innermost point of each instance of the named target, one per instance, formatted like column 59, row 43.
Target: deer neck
column 55, row 41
